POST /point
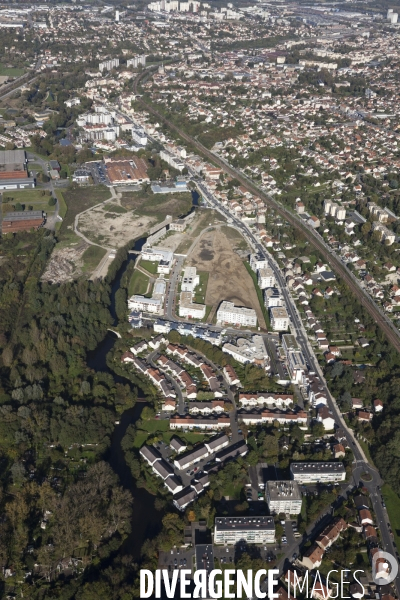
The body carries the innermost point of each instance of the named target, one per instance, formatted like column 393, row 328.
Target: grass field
column 115, row 208
column 149, row 266
column 189, row 438
column 201, row 289
column 27, row 198
column 392, row 502
column 79, row 199
column 91, row 257
column 145, row 203
column 367, row 453
column 208, row 310
column 138, row 284
column 259, row 292
column 153, row 425
column 11, row 71
column 62, row 211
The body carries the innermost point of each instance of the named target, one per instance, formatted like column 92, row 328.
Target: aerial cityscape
column 199, row 295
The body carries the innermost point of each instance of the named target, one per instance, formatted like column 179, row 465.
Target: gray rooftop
column 245, row 523
column 317, row 467
column 283, row 490
column 12, row 157
column 23, row 215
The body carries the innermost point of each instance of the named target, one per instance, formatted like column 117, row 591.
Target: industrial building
column 14, row 171
column 23, row 221
column 253, row 530
column 283, row 497
column 122, row 171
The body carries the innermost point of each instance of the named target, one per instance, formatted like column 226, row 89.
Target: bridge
column 116, row 332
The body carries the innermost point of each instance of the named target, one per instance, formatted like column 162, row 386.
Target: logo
column 384, row 568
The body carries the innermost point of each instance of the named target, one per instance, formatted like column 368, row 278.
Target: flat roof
column 12, row 157
column 245, row 523
column 283, row 490
column 25, row 215
column 317, row 467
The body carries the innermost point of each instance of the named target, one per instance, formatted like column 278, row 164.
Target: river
column 146, row 520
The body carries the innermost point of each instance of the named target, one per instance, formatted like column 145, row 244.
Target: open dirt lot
column 228, row 279
column 66, row 263
column 112, row 229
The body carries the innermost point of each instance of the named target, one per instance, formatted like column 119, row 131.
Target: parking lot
column 177, row 558
column 99, row 172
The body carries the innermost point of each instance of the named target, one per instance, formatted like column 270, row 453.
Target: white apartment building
column 107, row 65
column 386, row 234
column 139, row 136
column 272, row 298
column 190, row 279
column 171, row 160
column 316, row 472
column 333, row 209
column 189, row 309
column 258, row 262
column 279, row 318
column 253, row 530
column 283, row 497
column 229, row 313
column 266, row 278
column 165, row 258
column 136, row 61
column 151, row 305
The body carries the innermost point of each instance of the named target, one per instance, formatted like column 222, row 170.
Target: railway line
column 392, row 334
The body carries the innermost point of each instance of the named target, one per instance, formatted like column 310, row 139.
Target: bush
column 52, row 201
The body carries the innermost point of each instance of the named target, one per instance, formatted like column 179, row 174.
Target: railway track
column 383, row 322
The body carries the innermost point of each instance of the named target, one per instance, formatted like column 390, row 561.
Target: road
column 172, row 288
column 360, row 464
column 330, row 256
column 181, row 402
column 13, row 90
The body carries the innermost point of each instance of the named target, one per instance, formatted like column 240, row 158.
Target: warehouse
column 13, row 170
column 126, row 171
column 23, row 221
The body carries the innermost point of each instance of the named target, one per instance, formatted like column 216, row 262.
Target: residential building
column 252, row 530
column 183, row 461
column 229, row 313
column 279, row 318
column 266, row 278
column 317, row 472
column 283, row 497
column 107, row 65
column 257, row 262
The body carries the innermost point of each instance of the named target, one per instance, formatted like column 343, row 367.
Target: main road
column 314, row 238
column 360, row 465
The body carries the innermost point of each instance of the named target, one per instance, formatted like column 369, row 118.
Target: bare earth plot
column 66, row 263
column 228, row 279
column 112, row 229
